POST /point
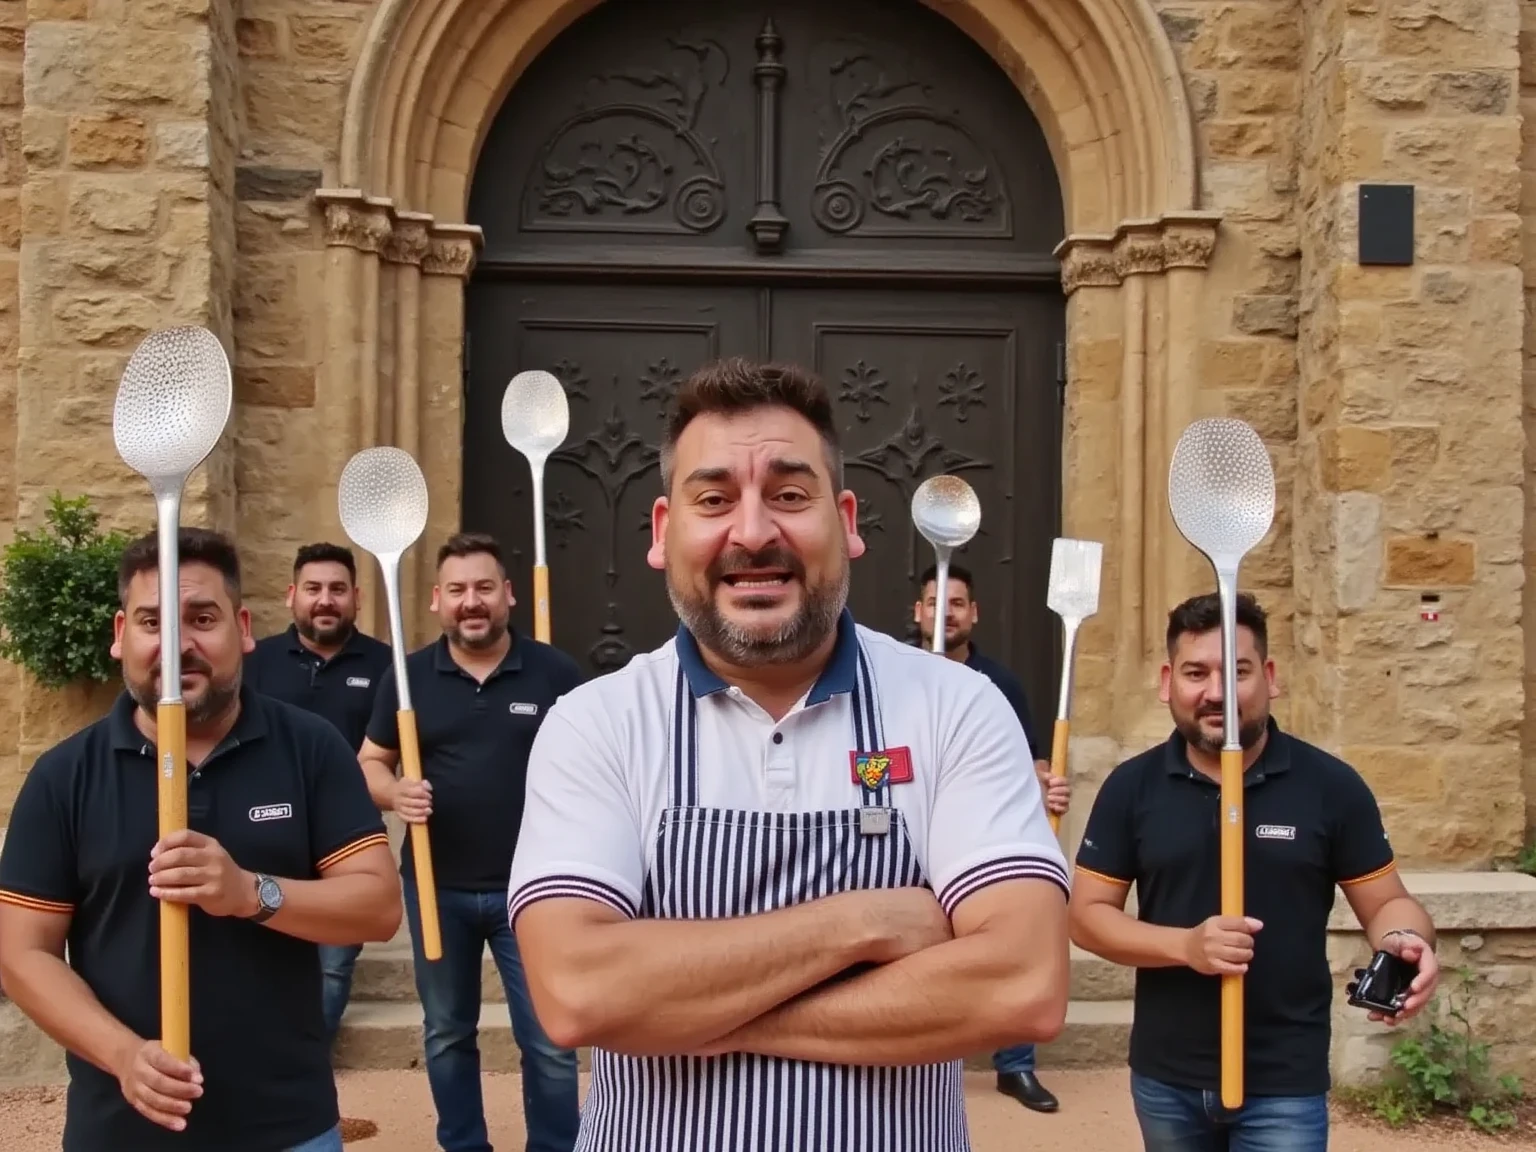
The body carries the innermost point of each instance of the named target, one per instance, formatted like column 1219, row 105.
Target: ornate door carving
column 854, row 185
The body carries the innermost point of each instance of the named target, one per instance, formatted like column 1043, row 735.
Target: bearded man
column 1311, row 823
column 322, row 663
column 283, row 852
column 784, row 872
column 480, row 693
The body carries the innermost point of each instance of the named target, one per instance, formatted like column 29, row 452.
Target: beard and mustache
column 1249, row 730
column 219, row 694
column 495, row 629
column 816, row 618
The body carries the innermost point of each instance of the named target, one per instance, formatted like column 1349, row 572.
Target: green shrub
column 58, row 595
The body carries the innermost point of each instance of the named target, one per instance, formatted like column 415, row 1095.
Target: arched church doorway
column 856, row 186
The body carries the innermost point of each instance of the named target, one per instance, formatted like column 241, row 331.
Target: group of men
column 781, row 874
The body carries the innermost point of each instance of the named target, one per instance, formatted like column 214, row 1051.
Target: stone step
column 386, row 1035
column 384, row 973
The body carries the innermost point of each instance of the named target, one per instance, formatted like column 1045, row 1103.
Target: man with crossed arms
column 782, row 873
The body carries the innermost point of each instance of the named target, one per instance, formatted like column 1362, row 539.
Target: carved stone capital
column 451, row 250
column 1139, row 248
column 355, row 220
column 1087, row 262
column 1189, row 239
column 410, row 239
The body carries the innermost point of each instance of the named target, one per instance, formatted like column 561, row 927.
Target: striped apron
column 715, row 862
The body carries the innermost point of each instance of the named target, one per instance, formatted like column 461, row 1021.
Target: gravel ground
column 1096, row 1114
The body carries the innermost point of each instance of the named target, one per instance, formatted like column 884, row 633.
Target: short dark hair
column 472, row 544
column 1201, row 614
column 736, row 385
column 957, row 572
column 325, row 553
column 193, row 546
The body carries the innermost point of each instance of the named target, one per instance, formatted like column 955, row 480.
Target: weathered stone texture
column 1527, row 521
column 1410, row 474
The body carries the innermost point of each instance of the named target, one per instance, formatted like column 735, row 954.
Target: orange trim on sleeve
column 1101, row 876
column 352, row 849
column 1382, row 871
column 32, row 903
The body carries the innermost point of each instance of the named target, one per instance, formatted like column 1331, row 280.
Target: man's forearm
column 356, row 908
column 664, row 987
column 947, row 1002
column 54, row 997
column 380, row 777
column 1401, row 912
column 1117, row 936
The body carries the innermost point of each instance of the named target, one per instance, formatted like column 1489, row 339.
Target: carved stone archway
column 1101, row 77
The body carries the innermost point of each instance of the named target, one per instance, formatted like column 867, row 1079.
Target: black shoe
column 1027, row 1090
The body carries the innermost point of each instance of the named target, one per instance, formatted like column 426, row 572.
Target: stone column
column 1410, row 446
column 127, row 213
column 392, row 371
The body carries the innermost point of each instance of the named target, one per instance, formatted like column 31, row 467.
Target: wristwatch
column 269, row 894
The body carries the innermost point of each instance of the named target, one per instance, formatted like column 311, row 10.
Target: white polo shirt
column 601, row 765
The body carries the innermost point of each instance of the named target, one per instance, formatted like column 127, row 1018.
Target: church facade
column 1026, row 241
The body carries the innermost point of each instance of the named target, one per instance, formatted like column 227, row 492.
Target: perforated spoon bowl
column 173, row 403
column 382, row 498
column 1221, row 492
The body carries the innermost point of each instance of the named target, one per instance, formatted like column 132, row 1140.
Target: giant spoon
column 172, row 405
column 382, row 498
column 1221, row 492
column 947, row 514
column 535, row 419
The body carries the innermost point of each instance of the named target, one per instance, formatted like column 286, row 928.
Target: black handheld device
column 1382, row 985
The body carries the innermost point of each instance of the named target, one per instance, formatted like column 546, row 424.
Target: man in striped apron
column 782, row 873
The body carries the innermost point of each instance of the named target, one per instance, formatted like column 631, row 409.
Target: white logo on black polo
column 1275, row 832
column 524, row 709
column 358, row 681
column 271, row 812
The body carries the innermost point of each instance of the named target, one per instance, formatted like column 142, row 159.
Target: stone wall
column 1528, row 218
column 296, row 58
column 1409, row 477
column 13, row 20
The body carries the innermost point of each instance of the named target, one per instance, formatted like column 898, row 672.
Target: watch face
column 270, row 895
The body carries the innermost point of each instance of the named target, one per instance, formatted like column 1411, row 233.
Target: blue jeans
column 450, row 998
column 336, row 964
column 1176, row 1119
column 325, row 1142
column 1019, row 1058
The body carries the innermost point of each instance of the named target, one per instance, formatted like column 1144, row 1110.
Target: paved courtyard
column 1095, row 1117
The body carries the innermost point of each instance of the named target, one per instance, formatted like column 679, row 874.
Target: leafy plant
column 58, row 595
column 1444, row 1069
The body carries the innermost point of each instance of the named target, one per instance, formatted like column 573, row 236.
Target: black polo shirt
column 475, row 739
column 1010, row 687
column 341, row 688
column 284, row 795
column 1312, row 824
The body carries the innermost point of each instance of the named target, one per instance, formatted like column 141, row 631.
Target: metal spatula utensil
column 535, row 419
column 382, row 497
column 1221, row 492
column 1073, row 594
column 947, row 513
column 173, row 403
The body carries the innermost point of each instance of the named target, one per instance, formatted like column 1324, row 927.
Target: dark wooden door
column 855, row 186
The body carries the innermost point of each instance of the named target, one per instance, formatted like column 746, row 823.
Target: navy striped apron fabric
column 717, row 862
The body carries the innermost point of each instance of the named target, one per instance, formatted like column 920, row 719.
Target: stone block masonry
column 126, row 163
column 1410, row 477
